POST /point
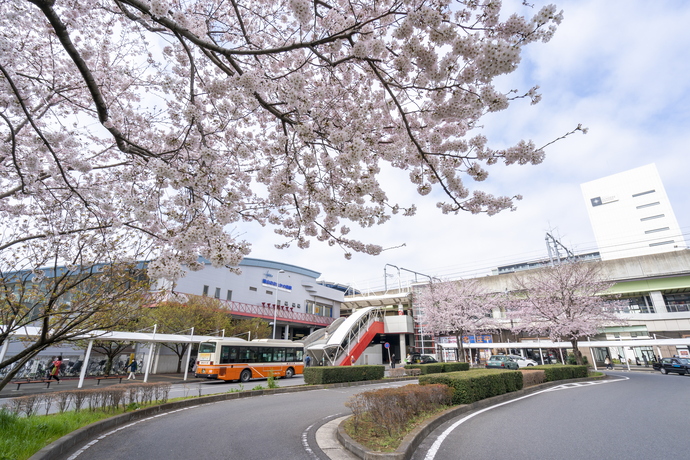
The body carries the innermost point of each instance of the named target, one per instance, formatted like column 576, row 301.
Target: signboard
column 387, row 345
column 482, row 338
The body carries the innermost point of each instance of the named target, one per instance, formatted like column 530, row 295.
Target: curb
column 64, row 446
column 414, row 438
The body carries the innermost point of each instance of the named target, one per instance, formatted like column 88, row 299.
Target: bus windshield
column 207, row 347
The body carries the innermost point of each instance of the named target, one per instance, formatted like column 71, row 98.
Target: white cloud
column 620, row 68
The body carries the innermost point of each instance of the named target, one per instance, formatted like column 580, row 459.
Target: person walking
column 132, row 369
column 607, row 361
column 56, row 369
column 307, row 360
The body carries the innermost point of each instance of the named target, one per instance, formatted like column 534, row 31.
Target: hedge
column 455, row 367
column 562, row 372
column 469, row 387
column 337, row 374
column 437, row 368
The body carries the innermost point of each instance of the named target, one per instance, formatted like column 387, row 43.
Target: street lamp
column 275, row 304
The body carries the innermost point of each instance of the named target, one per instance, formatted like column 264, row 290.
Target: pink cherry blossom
column 150, row 128
column 563, row 302
column 455, row 308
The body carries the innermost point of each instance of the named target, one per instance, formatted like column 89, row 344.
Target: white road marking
column 431, row 453
column 105, row 435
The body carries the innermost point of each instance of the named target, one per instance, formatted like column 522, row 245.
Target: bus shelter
column 151, row 338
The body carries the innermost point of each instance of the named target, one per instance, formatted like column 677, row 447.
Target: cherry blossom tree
column 455, row 308
column 564, row 302
column 155, row 127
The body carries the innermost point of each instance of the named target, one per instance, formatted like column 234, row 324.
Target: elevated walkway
column 345, row 343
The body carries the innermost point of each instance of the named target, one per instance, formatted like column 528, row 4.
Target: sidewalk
column 71, row 383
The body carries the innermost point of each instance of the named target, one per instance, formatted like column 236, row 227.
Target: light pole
column 275, row 304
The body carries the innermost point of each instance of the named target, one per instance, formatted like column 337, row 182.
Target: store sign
column 284, row 287
column 468, row 339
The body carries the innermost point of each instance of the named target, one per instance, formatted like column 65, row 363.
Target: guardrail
column 282, row 312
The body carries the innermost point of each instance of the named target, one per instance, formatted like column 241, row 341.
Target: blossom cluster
column 151, row 127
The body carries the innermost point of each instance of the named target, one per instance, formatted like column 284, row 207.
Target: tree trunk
column 577, row 353
column 461, row 348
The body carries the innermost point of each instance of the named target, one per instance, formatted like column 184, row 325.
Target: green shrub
column 553, row 372
column 434, row 368
column 456, row 367
column 475, row 385
column 571, row 359
column 337, row 374
column 437, row 368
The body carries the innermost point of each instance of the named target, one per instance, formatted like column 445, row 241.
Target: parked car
column 523, row 362
column 679, row 365
column 422, row 359
column 501, row 362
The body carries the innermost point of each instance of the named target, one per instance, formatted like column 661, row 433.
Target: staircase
column 349, row 339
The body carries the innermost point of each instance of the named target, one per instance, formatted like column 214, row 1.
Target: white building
column 267, row 289
column 631, row 214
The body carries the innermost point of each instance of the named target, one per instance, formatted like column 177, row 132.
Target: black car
column 422, row 359
column 679, row 365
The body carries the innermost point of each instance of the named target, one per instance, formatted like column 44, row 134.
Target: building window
column 205, row 293
column 644, row 193
column 251, row 288
column 229, row 297
column 647, row 205
column 217, row 293
column 319, row 309
column 677, row 302
column 269, row 292
column 662, row 229
column 658, row 216
column 662, row 243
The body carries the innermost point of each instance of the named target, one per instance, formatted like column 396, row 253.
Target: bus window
column 299, row 354
column 279, row 354
column 207, row 347
column 228, row 354
column 247, row 355
column 244, row 354
column 290, row 354
column 266, row 355
column 224, row 354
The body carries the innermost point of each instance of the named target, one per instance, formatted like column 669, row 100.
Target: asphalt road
column 640, row 416
column 279, row 426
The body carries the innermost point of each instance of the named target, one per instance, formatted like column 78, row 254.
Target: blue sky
column 619, row 67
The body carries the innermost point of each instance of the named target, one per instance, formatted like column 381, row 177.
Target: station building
column 267, row 289
column 655, row 290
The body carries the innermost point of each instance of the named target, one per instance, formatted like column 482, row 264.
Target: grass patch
column 376, row 438
column 21, row 437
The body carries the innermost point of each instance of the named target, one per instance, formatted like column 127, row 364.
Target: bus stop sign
column 387, row 345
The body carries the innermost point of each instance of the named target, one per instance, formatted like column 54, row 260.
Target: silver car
column 523, row 362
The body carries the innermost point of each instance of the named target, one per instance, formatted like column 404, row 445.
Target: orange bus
column 238, row 359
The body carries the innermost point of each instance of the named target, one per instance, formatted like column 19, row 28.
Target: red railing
column 284, row 313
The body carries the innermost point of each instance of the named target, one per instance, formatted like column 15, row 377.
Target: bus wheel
column 245, row 375
column 289, row 373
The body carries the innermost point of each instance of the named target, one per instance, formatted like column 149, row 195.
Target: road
column 280, row 426
column 639, row 416
column 632, row 417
